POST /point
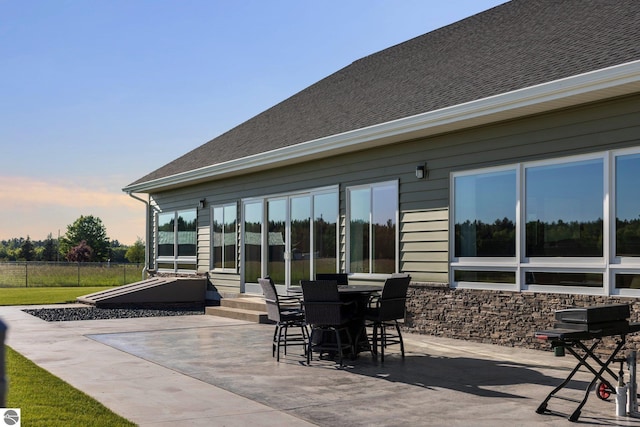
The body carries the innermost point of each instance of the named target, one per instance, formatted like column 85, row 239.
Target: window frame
column 605, row 212
column 348, row 190
column 176, row 260
column 609, row 264
column 212, row 259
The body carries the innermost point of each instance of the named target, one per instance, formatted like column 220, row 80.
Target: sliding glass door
column 298, row 237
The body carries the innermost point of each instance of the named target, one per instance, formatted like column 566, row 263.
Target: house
column 495, row 160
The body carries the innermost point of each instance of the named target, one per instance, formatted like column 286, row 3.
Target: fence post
column 26, row 274
column 3, row 378
column 78, row 273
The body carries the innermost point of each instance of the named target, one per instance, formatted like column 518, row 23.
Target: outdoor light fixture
column 202, row 203
column 421, row 171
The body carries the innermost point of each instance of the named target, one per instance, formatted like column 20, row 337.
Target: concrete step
column 251, row 309
column 238, row 313
column 247, row 303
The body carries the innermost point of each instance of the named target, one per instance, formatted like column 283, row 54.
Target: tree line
column 85, row 241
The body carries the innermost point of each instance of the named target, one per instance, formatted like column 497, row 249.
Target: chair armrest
column 374, row 301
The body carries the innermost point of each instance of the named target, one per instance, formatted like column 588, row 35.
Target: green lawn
column 49, row 295
column 44, row 399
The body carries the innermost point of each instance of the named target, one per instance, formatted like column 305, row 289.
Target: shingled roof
column 519, row 44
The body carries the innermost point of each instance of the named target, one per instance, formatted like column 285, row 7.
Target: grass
column 48, row 295
column 45, row 400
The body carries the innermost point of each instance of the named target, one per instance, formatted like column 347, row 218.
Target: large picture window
column 627, row 206
column 564, row 210
column 564, row 225
column 372, row 234
column 485, row 214
column 225, row 237
column 177, row 240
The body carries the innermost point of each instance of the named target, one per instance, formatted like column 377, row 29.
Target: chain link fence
column 42, row 274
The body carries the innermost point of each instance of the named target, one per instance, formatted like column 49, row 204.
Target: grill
column 574, row 327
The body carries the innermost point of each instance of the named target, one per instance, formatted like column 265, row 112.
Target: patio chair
column 329, row 318
column 341, row 278
column 285, row 311
column 384, row 311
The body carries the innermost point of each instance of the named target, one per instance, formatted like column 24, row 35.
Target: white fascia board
column 596, row 85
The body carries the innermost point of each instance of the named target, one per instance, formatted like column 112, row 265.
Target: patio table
column 360, row 294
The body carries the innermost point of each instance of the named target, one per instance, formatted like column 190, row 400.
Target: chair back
column 320, row 290
column 270, row 298
column 341, row 278
column 322, row 305
column 393, row 298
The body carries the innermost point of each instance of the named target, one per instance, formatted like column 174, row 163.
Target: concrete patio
column 206, row 370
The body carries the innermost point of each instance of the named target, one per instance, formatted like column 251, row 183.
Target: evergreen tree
column 27, row 252
column 49, row 252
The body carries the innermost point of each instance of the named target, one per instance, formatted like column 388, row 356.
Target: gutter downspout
column 147, row 234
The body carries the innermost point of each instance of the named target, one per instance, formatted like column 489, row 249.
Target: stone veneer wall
column 497, row 317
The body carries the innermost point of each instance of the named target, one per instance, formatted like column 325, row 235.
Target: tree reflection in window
column 187, row 230
column 564, row 209
column 628, row 205
column 373, row 228
column 485, row 214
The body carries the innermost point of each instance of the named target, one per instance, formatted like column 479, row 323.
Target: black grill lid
column 597, row 314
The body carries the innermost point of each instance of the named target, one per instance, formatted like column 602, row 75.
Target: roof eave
column 589, row 87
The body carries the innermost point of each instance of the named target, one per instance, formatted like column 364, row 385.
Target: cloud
column 36, row 208
column 27, row 193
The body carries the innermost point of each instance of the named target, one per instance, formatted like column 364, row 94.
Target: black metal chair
column 329, row 318
column 384, row 311
column 341, row 278
column 285, row 311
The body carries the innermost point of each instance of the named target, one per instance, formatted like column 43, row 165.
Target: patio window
column 564, row 210
column 627, row 206
column 176, row 240
column 485, row 214
column 372, row 228
column 224, row 237
column 563, row 225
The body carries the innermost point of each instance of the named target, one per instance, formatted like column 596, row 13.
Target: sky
column 95, row 94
